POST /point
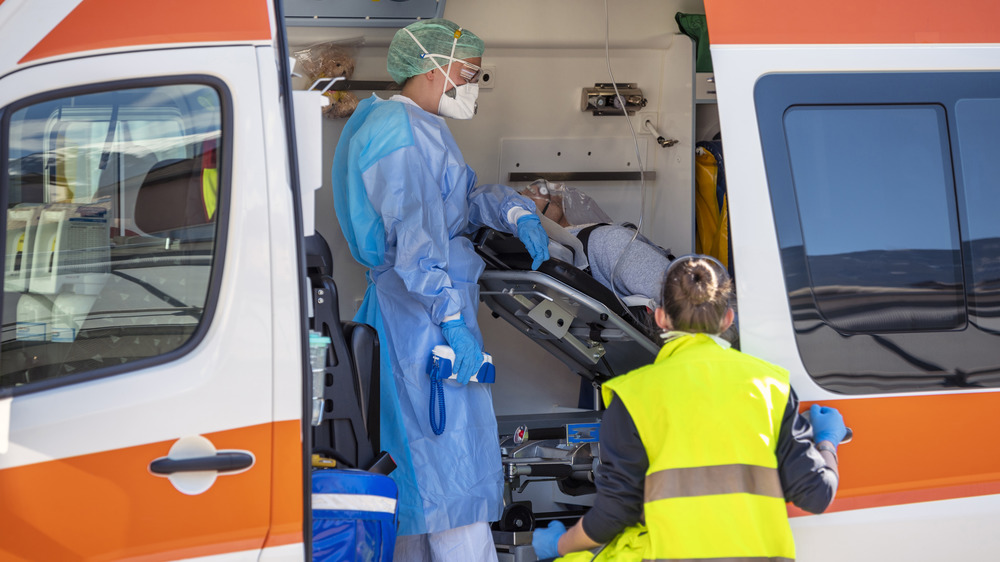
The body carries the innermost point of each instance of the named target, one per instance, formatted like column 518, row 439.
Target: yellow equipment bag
column 711, row 210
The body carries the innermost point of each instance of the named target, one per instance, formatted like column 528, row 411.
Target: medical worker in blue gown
column 404, row 197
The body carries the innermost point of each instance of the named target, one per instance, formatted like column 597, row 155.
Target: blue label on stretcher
column 583, row 432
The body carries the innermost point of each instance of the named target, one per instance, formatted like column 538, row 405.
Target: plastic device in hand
column 443, row 357
column 439, row 368
column 847, row 438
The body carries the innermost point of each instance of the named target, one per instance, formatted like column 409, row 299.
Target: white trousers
column 471, row 543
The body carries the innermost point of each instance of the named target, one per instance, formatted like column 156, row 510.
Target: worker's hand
column 468, row 352
column 531, row 233
column 546, row 540
column 828, row 424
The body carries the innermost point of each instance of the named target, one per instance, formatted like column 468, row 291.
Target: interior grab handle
column 224, row 461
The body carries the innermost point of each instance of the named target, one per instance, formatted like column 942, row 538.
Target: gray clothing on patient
column 642, row 262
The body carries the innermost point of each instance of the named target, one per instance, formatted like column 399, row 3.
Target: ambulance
column 178, row 365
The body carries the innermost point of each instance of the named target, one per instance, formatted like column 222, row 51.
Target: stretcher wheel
column 517, row 517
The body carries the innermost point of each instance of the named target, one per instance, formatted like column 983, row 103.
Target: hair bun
column 696, row 294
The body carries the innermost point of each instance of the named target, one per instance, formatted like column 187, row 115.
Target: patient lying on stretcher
column 607, row 251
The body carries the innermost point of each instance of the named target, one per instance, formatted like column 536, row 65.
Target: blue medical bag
column 354, row 516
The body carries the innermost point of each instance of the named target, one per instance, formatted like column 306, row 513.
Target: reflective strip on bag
column 354, row 502
column 737, row 559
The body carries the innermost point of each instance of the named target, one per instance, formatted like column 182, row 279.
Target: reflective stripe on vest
column 709, row 420
column 712, row 480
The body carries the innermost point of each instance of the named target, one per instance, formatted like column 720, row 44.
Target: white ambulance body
column 161, row 190
column 861, row 194
column 201, row 352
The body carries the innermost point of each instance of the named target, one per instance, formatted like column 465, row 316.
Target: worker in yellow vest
column 701, row 450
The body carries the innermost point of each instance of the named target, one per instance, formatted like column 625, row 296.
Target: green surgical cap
column 437, row 36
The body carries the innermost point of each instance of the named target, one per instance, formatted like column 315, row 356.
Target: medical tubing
column 437, row 389
column 638, row 157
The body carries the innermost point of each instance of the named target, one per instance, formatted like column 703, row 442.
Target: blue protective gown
column 404, row 196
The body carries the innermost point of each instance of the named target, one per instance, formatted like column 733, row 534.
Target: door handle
column 193, row 464
column 225, row 461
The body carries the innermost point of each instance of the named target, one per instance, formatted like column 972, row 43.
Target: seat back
column 349, row 427
column 171, row 197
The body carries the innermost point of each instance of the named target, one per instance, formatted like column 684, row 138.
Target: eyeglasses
column 539, row 198
column 469, row 72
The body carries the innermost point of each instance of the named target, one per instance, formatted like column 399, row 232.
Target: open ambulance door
column 136, row 356
column 862, row 172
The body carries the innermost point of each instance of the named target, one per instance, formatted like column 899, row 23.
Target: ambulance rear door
column 136, row 360
column 860, row 143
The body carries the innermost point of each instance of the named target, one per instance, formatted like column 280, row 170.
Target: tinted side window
column 977, row 122
column 883, row 188
column 112, row 209
column 877, row 208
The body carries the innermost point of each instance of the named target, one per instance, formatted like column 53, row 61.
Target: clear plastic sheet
column 578, row 207
column 332, row 59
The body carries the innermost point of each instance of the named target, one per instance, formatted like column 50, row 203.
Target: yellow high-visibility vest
column 709, row 419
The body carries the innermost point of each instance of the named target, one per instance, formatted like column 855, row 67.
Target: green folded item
column 695, row 27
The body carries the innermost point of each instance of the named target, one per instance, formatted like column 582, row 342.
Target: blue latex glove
column 828, row 424
column 468, row 352
column 531, row 233
column 546, row 540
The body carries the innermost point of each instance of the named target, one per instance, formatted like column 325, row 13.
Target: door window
column 111, row 228
column 884, row 191
column 877, row 208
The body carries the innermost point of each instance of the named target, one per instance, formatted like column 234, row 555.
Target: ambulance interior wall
column 543, row 56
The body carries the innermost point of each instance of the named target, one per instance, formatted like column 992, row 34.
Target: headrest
column 171, row 197
column 319, row 258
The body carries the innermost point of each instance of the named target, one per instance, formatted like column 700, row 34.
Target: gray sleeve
column 641, row 266
column 806, row 479
column 620, row 478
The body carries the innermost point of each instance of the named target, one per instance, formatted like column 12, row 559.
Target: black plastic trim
column 285, row 85
column 581, row 176
column 4, row 201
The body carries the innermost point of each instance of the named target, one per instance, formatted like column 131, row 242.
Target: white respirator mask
column 457, row 102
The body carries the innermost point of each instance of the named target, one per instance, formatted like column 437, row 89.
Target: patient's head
column 565, row 204
column 696, row 292
column 548, row 199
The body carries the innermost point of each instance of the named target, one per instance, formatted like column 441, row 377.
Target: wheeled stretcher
column 563, row 309
column 588, row 328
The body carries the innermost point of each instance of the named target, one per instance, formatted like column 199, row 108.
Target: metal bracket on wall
column 602, row 99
